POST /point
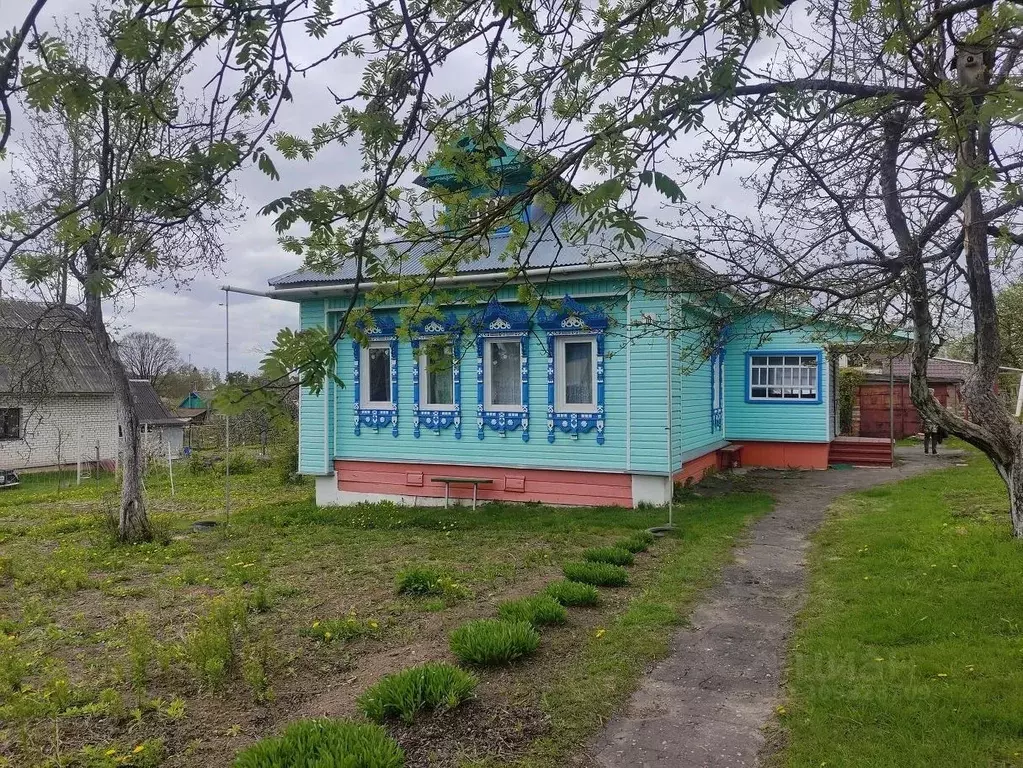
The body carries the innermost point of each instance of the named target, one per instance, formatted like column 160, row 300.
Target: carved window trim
column 499, row 322
column 574, row 319
column 378, row 330
column 432, row 418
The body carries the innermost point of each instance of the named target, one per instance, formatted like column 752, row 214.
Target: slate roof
column 941, row 369
column 45, row 349
column 149, row 406
column 546, row 246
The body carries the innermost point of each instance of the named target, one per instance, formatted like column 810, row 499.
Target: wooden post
column 891, row 405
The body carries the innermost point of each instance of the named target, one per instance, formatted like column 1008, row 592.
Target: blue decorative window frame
column 383, row 329
column 819, row 354
column 717, row 390
column 574, row 319
column 500, row 322
column 436, row 419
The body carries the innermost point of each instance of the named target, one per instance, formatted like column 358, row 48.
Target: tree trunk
column 133, row 523
column 1013, row 477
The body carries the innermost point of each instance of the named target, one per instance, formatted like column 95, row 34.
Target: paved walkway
column 705, row 704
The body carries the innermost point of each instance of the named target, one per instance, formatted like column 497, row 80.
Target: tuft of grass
column 141, row 651
column 423, row 580
column 598, row 574
column 540, row 610
column 404, row 694
column 573, row 593
column 323, row 742
column 877, row 674
column 342, row 630
column 492, row 642
column 212, row 648
column 613, row 555
column 638, row 542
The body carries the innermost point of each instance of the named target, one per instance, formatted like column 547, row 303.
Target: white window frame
column 487, row 389
column 561, row 380
column 814, row 383
column 364, row 395
column 424, row 382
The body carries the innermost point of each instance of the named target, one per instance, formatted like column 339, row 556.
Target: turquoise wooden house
column 582, row 401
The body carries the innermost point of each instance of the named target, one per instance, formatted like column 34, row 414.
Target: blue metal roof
column 546, row 246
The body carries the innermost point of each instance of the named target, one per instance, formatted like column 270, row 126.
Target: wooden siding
column 791, row 422
column 313, row 418
column 695, row 398
column 510, row 450
column 649, row 392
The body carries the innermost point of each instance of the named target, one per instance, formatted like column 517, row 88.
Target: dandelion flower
column 138, row 749
column 600, row 632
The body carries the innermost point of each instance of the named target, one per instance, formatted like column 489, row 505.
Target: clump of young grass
column 637, row 542
column 613, row 555
column 573, row 593
column 320, row 742
column 342, row 630
column 493, row 642
column 211, row 648
column 424, row 580
column 256, row 659
column 540, row 610
column 598, row 574
column 404, row 694
column 13, row 666
column 141, row 651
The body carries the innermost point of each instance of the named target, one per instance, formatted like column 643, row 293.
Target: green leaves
column 663, row 184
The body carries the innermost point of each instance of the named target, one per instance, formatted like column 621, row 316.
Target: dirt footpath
column 705, row 704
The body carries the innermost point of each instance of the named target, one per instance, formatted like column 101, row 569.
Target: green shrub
column 241, row 464
column 613, row 555
column 423, row 580
column 285, row 458
column 539, row 611
column 637, row 542
column 322, row 742
column 491, row 642
column 598, row 574
column 429, row 686
column 211, row 649
column 573, row 593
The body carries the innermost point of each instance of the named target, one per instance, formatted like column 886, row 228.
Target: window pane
column 505, row 373
column 379, row 375
column 810, row 361
column 578, row 373
column 776, row 360
column 440, row 383
column 759, row 360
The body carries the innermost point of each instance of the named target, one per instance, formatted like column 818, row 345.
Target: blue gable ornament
column 377, row 329
column 497, row 320
column 437, row 419
column 574, row 319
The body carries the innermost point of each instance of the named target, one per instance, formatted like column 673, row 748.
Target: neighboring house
column 56, row 402
column 884, row 394
column 196, row 409
column 159, row 430
column 584, row 402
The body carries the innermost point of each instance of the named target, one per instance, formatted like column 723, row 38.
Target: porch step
column 861, row 451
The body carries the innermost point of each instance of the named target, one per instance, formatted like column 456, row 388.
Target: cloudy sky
column 194, row 316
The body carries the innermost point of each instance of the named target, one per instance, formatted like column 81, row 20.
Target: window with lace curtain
column 576, row 373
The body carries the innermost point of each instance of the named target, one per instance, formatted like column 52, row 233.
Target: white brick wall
column 58, row 428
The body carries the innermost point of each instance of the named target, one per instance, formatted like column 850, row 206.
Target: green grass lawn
column 910, row 649
column 181, row 652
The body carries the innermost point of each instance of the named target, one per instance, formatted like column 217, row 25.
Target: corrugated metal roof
column 148, row 405
column 546, row 246
column 46, row 349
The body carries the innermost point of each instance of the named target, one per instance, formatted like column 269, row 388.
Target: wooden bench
column 732, row 456
column 475, row 481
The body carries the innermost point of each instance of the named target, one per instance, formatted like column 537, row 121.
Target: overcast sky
column 194, row 316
